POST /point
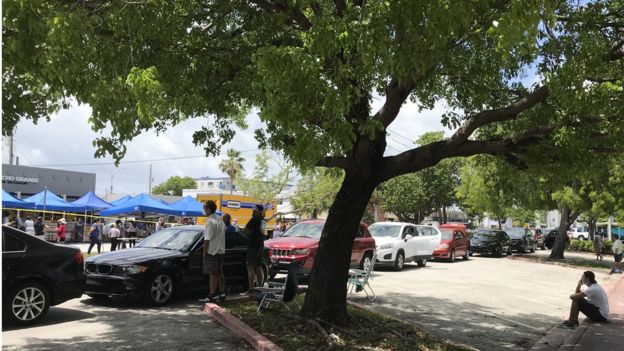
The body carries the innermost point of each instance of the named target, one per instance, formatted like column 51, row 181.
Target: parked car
column 166, row 263
column 300, row 243
column 539, row 237
column 522, row 239
column 36, row 275
column 490, row 241
column 398, row 243
column 454, row 242
column 579, row 233
column 551, row 235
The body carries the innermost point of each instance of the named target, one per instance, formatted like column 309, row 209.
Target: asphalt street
column 488, row 303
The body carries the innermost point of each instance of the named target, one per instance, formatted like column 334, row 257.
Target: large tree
column 174, row 186
column 232, row 166
column 316, row 191
column 312, row 69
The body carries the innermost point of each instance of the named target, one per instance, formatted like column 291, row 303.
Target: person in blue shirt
column 94, row 236
column 229, row 228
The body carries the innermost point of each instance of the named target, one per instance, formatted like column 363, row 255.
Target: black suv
column 522, row 239
column 489, row 241
column 36, row 275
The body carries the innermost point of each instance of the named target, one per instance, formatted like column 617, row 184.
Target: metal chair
column 281, row 293
column 359, row 281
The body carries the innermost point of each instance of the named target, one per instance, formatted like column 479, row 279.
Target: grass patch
column 574, row 261
column 366, row 331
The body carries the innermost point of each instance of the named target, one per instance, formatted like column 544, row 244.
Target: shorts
column 213, row 263
column 591, row 311
column 254, row 255
column 617, row 258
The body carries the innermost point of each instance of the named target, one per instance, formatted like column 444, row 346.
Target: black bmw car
column 166, row 263
column 494, row 242
column 36, row 275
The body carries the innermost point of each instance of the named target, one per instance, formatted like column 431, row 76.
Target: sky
column 66, row 141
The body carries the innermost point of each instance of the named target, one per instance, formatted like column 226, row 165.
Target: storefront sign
column 19, row 180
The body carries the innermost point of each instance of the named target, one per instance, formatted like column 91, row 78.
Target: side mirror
column 408, row 237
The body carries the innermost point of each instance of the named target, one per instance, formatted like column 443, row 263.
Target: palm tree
column 232, row 166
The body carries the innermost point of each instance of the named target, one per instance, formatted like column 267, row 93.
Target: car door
column 357, row 251
column 433, row 237
column 460, row 243
column 411, row 244
column 13, row 252
column 235, row 260
column 195, row 276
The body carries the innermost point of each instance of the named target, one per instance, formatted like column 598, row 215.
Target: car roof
column 392, row 223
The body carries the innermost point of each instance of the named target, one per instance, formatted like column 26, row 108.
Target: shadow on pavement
column 56, row 315
column 467, row 323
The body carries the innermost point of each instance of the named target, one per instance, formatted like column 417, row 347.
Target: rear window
column 447, row 234
column 384, row 230
column 11, row 243
column 485, row 234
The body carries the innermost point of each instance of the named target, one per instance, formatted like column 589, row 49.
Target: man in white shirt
column 617, row 255
column 30, row 226
column 592, row 301
column 214, row 251
column 114, row 233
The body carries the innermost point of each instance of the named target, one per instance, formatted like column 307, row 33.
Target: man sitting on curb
column 592, row 302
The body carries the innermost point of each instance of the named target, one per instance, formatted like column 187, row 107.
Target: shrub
column 575, row 245
column 606, row 247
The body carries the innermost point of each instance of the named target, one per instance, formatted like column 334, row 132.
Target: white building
column 210, row 185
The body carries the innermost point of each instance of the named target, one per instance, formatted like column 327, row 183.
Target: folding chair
column 280, row 293
column 359, row 281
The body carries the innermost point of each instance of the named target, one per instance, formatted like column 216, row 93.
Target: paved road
column 488, row 303
column 87, row 324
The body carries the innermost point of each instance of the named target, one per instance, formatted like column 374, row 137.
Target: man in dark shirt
column 255, row 247
column 40, row 227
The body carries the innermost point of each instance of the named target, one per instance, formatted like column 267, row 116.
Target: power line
column 400, row 143
column 133, row 161
column 399, row 135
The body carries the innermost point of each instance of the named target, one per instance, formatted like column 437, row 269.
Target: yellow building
column 239, row 207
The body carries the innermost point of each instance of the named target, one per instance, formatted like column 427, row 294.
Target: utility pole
column 10, row 137
column 150, row 180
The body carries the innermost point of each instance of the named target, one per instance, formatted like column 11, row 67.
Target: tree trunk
column 592, row 227
column 443, row 214
column 327, row 293
column 500, row 226
column 314, row 213
column 567, row 218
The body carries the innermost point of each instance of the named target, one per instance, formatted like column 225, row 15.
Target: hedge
column 588, row 246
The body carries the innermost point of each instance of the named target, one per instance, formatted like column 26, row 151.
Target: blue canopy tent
column 8, row 201
column 188, row 206
column 142, row 205
column 163, row 202
column 91, row 202
column 49, row 201
column 120, row 200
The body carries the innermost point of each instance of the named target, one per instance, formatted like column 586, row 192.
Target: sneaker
column 569, row 324
column 221, row 296
column 210, row 298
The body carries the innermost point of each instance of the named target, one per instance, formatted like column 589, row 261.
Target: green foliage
column 174, row 186
column 316, row 191
column 262, row 185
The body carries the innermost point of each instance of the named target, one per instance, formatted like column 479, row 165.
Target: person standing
column 598, row 246
column 592, row 301
column 227, row 220
column 94, row 236
column 160, row 224
column 256, row 245
column 30, row 226
column 214, row 251
column 40, row 227
column 131, row 230
column 61, row 231
column 617, row 255
column 114, row 234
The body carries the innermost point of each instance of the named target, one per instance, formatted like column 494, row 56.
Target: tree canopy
column 262, row 185
column 232, row 166
column 174, row 186
column 521, row 80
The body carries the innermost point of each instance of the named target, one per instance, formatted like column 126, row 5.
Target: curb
column 255, row 339
column 554, row 263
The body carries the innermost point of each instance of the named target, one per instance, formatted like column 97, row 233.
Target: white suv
column 398, row 243
column 579, row 233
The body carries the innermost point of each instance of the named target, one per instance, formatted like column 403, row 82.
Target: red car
column 455, row 242
column 301, row 242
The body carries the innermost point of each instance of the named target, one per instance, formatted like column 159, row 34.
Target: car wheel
column 399, row 262
column 509, row 251
column 452, row 257
column 498, row 251
column 543, row 246
column 160, row 289
column 366, row 262
column 467, row 255
column 27, row 303
column 422, row 262
column 534, row 248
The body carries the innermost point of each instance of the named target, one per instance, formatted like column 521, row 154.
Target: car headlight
column 386, row 246
column 300, row 252
column 133, row 269
column 443, row 246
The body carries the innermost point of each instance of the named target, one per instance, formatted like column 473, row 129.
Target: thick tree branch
column 340, row 7
column 491, row 116
column 333, row 162
column 396, row 94
column 295, row 15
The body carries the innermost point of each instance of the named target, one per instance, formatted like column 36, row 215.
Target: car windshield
column 180, row 239
column 308, row 230
column 384, row 230
column 515, row 232
column 485, row 234
column 446, row 234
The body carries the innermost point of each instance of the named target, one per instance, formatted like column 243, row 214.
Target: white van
column 399, row 242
